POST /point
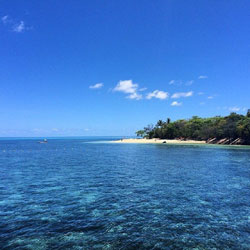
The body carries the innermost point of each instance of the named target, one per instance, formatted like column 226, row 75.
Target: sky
column 111, row 67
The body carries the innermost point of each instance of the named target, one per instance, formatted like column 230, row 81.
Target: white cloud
column 180, row 82
column 15, row 26
column 200, row 93
column 55, row 129
column 5, row 19
column 182, row 94
column 20, row 27
column 158, row 94
column 96, row 86
column 175, row 82
column 188, row 83
column 210, row 97
column 202, row 77
column 128, row 87
column 134, row 96
column 234, row 109
column 176, row 103
column 202, row 103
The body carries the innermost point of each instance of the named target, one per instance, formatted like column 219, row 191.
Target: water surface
column 73, row 194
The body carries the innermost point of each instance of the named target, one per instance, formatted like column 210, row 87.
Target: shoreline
column 158, row 141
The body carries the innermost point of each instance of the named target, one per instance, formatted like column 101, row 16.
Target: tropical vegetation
column 232, row 127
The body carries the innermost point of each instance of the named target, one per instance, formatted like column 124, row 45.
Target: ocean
column 87, row 193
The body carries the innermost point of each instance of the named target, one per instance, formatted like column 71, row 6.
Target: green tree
column 140, row 133
column 248, row 113
column 243, row 128
column 149, row 131
column 231, row 127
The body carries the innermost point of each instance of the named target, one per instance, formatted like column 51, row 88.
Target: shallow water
column 72, row 194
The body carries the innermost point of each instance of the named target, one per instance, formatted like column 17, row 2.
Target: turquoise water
column 78, row 194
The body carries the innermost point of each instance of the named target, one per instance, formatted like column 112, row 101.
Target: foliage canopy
column 231, row 127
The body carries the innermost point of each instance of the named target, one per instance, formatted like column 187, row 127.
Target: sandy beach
column 167, row 141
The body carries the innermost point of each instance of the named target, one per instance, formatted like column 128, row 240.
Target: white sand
column 174, row 141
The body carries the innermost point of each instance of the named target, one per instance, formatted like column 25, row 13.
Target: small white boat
column 44, row 141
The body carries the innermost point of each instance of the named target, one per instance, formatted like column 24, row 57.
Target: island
column 233, row 129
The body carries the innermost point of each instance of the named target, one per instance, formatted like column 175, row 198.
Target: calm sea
column 87, row 193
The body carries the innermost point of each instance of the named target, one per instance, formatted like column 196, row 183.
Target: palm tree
column 159, row 123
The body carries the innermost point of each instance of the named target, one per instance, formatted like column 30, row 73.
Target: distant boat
column 44, row 141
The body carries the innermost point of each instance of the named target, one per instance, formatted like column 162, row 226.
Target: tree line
column 231, row 127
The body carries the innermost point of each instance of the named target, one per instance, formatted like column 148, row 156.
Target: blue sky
column 111, row 67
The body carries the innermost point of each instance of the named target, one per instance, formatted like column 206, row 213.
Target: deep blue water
column 78, row 194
